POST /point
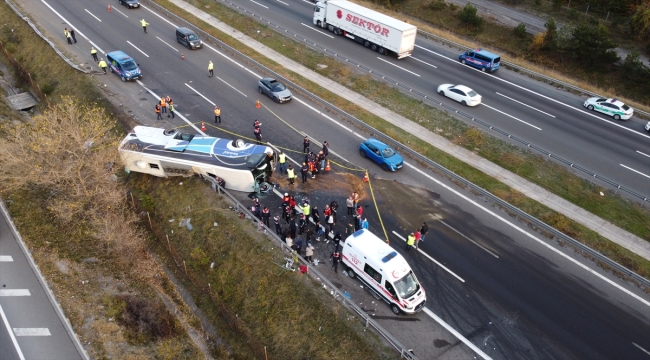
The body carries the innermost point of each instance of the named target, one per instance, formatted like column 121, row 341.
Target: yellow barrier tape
column 345, row 167
column 381, row 222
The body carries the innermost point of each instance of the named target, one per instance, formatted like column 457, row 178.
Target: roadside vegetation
column 621, row 212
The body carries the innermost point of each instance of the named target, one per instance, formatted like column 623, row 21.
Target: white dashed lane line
column 14, row 292
column 91, row 14
column 399, row 67
column 424, row 62
column 11, row 334
column 519, row 102
column 6, row 258
column 644, row 154
column 120, row 12
column 166, row 43
column 266, row 7
column 32, row 332
column 318, row 31
column 636, row 171
column 143, row 53
column 506, row 114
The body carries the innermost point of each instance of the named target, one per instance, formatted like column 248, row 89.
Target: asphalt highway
column 552, row 119
column 509, row 290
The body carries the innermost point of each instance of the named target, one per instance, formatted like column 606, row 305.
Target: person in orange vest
column 159, row 117
column 163, row 105
column 217, row 115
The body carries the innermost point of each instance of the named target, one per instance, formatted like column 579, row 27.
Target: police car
column 611, row 107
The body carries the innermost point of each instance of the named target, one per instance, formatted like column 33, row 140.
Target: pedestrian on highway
column 210, row 69
column 93, row 52
column 336, row 258
column 315, row 216
column 67, row 35
column 304, row 170
column 309, row 252
column 305, row 145
column 350, row 205
column 306, row 208
column 292, row 203
column 423, row 231
column 144, row 25
column 266, row 216
column 158, row 116
column 278, row 226
column 417, row 238
column 163, row 105
column 349, row 230
column 258, row 134
column 217, row 115
column 321, row 160
column 102, row 65
column 359, row 211
column 298, row 245
column 364, row 223
column 410, row 241
column 330, row 224
column 282, row 161
column 288, row 240
column 171, row 110
column 287, row 213
column 291, row 174
column 326, row 148
column 292, row 227
column 334, row 205
column 309, row 233
column 357, row 222
column 74, row 38
column 170, row 103
column 337, row 241
column 302, row 222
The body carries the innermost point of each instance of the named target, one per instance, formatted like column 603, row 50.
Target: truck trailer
column 374, row 30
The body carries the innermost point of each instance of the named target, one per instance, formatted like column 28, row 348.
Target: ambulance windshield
column 407, row 286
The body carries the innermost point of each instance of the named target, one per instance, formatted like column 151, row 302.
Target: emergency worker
column 303, row 171
column 93, row 52
column 144, row 25
column 217, row 115
column 282, row 160
column 163, row 105
column 158, row 116
column 410, row 241
column 102, row 65
column 291, row 174
column 210, row 69
column 336, row 259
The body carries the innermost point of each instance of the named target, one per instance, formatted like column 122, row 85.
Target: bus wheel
column 395, row 309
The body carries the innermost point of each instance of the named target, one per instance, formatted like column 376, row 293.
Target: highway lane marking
column 456, row 334
column 531, row 236
column 143, row 53
column 14, row 292
column 120, row 12
column 322, row 32
column 642, row 349
column 643, row 153
column 6, row 258
column 309, row 2
column 266, row 7
column 636, row 171
column 158, row 15
column 91, row 14
column 11, row 334
column 430, row 258
column 282, row 2
column 519, row 102
column 538, row 94
column 165, row 42
column 470, row 240
column 32, row 332
column 201, row 95
column 234, row 88
column 424, row 62
column 177, row 113
column 506, row 114
column 330, row 119
column 397, row 66
column 73, row 27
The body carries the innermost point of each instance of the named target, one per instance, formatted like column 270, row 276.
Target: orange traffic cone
column 327, row 167
column 203, row 126
column 257, row 104
column 365, row 177
column 109, row 8
column 182, row 56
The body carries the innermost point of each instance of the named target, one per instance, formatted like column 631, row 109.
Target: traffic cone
column 257, row 104
column 182, row 56
column 327, row 167
column 109, row 8
column 365, row 177
column 203, row 126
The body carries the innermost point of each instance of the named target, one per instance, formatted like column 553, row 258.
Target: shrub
column 538, row 2
column 469, row 16
column 573, row 14
column 146, row 321
column 453, row 7
column 520, row 30
column 437, row 5
column 557, row 4
column 48, row 88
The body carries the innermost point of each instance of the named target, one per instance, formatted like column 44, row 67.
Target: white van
column 384, row 271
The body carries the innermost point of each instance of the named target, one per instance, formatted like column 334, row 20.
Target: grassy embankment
column 625, row 214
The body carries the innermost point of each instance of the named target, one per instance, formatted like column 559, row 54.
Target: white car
column 611, row 107
column 647, row 127
column 460, row 93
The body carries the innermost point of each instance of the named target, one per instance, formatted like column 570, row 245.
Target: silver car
column 274, row 89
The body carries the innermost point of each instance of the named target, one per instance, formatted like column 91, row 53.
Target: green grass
column 553, row 177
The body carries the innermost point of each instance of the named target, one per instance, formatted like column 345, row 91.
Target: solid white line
column 309, row 27
column 643, row 153
column 531, row 236
column 143, row 53
column 11, row 334
column 234, row 88
column 282, row 2
column 75, row 29
column 457, row 334
column 470, row 240
column 91, row 14
column 538, row 94
column 201, row 95
column 424, row 62
column 14, row 292
column 6, row 258
column 642, row 349
column 158, row 15
column 176, row 112
column 430, row 258
column 309, row 2
column 165, row 42
column 32, row 332
column 266, row 7
column 397, row 66
column 636, row 171
column 506, row 114
column 119, row 12
column 519, row 102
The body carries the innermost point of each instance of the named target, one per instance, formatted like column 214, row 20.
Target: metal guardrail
column 534, row 222
column 338, row 294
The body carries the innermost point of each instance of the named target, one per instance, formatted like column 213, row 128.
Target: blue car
column 382, row 154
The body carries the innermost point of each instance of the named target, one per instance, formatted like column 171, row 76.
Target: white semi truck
column 374, row 30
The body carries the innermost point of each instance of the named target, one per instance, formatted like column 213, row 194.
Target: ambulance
column 384, row 271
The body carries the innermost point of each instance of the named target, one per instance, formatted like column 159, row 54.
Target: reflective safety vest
column 291, row 174
column 410, row 240
column 102, row 64
column 210, row 66
column 217, row 112
column 306, row 209
column 157, row 108
column 283, row 158
column 93, row 51
column 144, row 23
column 162, row 102
column 171, row 107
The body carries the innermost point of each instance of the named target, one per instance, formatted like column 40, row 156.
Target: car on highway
column 131, row 4
column 187, row 37
column 123, row 65
column 611, row 107
column 460, row 93
column 481, row 59
column 647, row 127
column 382, row 154
column 274, row 89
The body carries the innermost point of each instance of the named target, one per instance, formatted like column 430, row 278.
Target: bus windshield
column 407, row 286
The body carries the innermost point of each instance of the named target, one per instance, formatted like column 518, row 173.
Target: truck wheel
column 337, row 31
column 373, row 47
column 382, row 51
column 319, row 24
column 395, row 309
column 330, row 28
column 351, row 273
column 366, row 43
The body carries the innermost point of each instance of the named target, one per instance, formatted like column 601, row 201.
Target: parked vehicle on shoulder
column 131, row 4
column 460, row 93
column 481, row 59
column 274, row 89
column 188, row 38
column 612, row 107
column 123, row 65
column 382, row 154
